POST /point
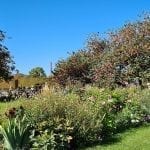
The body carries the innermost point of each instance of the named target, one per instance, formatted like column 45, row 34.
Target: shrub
column 144, row 99
column 77, row 121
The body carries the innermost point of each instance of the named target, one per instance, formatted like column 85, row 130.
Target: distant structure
column 51, row 68
column 16, row 81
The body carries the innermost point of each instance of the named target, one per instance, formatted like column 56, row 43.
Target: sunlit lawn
column 135, row 139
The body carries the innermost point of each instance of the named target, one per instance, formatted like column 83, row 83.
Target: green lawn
column 135, row 139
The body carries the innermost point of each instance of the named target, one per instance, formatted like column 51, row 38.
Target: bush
column 67, row 119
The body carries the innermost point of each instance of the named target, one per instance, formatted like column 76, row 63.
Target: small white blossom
column 103, row 103
column 110, row 100
column 133, row 121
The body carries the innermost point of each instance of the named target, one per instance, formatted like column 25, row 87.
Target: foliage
column 17, row 133
column 78, row 65
column 37, row 72
column 67, row 120
column 123, row 110
column 128, row 58
column 94, row 93
column 122, row 59
column 6, row 62
column 53, row 135
column 145, row 101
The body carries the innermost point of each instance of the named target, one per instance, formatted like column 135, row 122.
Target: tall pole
column 51, row 68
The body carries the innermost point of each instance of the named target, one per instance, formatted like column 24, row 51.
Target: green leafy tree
column 37, row 72
column 6, row 62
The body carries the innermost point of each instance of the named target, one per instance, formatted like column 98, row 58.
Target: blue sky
column 43, row 31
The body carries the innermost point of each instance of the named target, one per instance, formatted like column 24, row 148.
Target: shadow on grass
column 117, row 137
column 107, row 141
column 111, row 140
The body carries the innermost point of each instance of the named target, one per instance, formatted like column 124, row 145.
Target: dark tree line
column 6, row 62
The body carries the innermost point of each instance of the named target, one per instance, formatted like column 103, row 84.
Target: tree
column 6, row 62
column 37, row 72
column 129, row 55
column 77, row 67
column 122, row 59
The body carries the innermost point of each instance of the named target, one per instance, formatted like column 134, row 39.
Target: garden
column 60, row 120
column 95, row 95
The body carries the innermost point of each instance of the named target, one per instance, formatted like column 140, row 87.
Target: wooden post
column 16, row 83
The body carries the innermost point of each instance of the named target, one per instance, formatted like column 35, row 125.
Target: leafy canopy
column 6, row 62
column 37, row 72
column 129, row 55
column 117, row 61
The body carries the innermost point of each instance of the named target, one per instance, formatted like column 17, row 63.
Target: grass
column 133, row 139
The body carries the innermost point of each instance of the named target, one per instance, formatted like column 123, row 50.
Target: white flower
column 110, row 100
column 133, row 121
column 103, row 103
